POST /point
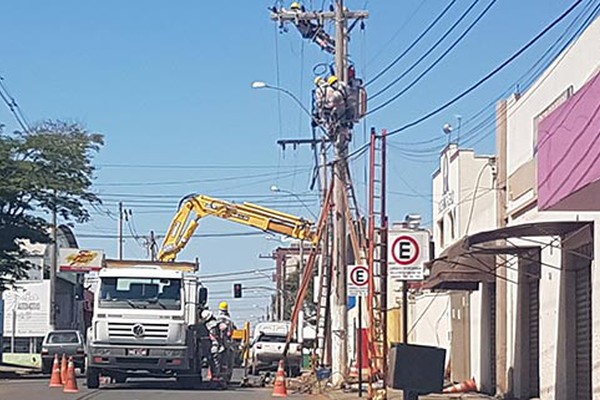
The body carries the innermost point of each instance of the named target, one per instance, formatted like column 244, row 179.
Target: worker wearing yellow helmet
column 224, row 308
column 296, row 6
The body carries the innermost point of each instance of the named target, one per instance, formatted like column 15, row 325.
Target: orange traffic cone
column 463, row 387
column 71, row 383
column 55, row 380
column 63, row 369
column 280, row 390
column 209, row 375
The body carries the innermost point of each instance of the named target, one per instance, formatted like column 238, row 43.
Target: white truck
column 147, row 322
column 268, row 343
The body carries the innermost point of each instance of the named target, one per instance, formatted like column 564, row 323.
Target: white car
column 267, row 347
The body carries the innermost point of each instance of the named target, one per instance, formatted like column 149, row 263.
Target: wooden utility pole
column 120, row 230
column 340, row 134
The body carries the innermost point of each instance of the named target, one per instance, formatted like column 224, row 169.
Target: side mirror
column 202, row 295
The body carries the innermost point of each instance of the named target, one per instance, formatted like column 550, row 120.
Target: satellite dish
column 447, row 128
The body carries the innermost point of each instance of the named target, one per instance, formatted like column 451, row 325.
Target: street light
column 265, row 85
column 277, row 189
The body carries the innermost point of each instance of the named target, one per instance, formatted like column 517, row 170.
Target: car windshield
column 141, row 293
column 272, row 339
column 62, row 338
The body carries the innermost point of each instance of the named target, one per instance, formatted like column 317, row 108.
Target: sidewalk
column 8, row 371
column 397, row 395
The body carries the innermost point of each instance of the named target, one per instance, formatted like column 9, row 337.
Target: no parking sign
column 408, row 251
column 358, row 280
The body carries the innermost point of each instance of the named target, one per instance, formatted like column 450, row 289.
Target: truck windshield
column 141, row 293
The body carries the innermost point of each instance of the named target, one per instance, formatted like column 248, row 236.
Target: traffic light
column 237, row 290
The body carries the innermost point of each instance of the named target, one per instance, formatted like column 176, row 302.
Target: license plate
column 137, row 352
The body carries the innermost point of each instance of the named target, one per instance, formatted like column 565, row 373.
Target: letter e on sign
column 405, row 250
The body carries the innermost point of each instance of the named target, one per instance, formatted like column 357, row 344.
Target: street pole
column 340, row 133
column 120, row 230
column 359, row 352
column 339, row 314
column 54, row 263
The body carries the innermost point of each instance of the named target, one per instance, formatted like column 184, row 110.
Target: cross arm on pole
column 286, row 15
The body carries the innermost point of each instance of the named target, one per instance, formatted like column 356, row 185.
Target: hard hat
column 319, row 79
column 295, row 6
column 224, row 306
column 332, row 79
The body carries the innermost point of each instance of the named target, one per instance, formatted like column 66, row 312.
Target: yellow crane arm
column 182, row 227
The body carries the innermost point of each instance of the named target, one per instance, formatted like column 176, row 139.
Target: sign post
column 409, row 249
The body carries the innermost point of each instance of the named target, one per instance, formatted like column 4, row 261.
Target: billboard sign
column 28, row 306
column 80, row 260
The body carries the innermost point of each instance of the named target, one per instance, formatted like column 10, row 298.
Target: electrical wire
column 182, row 182
column 12, row 105
column 474, row 135
column 490, row 74
column 395, row 35
column 432, row 65
column 415, row 42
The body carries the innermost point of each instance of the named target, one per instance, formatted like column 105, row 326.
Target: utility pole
column 53, row 264
column 120, row 230
column 339, row 314
column 340, row 133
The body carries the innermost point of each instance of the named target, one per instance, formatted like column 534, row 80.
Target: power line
column 395, row 35
column 490, row 74
column 414, row 43
column 181, row 182
column 534, row 71
column 432, row 65
column 199, row 235
column 12, row 105
column 199, row 166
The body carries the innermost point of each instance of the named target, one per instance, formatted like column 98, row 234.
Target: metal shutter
column 492, row 294
column 583, row 326
column 534, row 337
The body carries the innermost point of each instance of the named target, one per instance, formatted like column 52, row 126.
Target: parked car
column 68, row 342
column 267, row 348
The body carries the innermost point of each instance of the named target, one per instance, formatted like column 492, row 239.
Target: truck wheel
column 187, row 382
column 46, row 367
column 92, row 378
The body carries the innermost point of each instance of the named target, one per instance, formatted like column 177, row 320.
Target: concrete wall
column 569, row 72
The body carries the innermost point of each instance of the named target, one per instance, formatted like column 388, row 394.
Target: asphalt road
column 141, row 389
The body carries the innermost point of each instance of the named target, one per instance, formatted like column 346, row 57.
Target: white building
column 26, row 311
column 553, row 311
column 539, row 241
column 457, row 314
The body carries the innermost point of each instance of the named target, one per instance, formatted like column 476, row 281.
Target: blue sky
column 168, row 84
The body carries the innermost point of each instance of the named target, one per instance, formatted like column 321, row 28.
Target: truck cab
column 147, row 322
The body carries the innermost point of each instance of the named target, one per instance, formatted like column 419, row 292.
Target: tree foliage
column 291, row 291
column 48, row 168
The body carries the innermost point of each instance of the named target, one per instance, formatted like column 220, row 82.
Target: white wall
column 434, row 326
column 573, row 68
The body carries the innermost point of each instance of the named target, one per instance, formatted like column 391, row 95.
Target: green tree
column 291, row 292
column 48, row 168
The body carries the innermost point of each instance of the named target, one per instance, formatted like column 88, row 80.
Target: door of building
column 460, row 354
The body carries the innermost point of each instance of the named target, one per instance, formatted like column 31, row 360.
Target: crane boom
column 182, row 227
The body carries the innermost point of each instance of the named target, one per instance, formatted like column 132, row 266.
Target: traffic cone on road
column 63, row 369
column 55, row 380
column 71, row 383
column 466, row 386
column 280, row 389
